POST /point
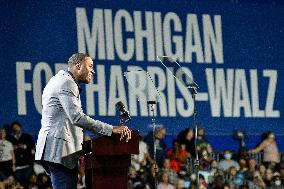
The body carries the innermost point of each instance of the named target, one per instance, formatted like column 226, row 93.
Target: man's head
column 16, row 127
column 243, row 163
column 252, row 163
column 160, row 133
column 81, row 66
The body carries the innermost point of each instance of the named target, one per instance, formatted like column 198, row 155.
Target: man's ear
column 78, row 66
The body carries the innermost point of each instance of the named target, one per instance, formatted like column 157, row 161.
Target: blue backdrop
column 234, row 51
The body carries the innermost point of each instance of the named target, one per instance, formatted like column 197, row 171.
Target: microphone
column 166, row 58
column 123, row 112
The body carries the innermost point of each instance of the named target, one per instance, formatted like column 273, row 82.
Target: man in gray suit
column 60, row 137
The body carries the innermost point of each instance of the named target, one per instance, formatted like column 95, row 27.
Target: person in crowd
column 268, row 178
column 143, row 184
column 178, row 156
column 204, row 160
column 180, row 184
column 239, row 179
column 152, row 176
column 11, row 183
column 202, row 184
column 277, row 183
column 187, row 137
column 43, row 181
column 33, row 182
column 218, row 182
column 161, row 147
column 249, row 175
column 231, row 176
column 173, row 154
column 211, row 172
column 24, row 149
column 282, row 173
column 228, row 162
column 202, row 142
column 63, row 120
column 243, row 154
column 243, row 165
column 173, row 177
column 193, row 186
column 271, row 155
column 193, row 181
column 133, row 177
column 257, row 181
column 262, row 170
column 140, row 160
column 213, row 167
column 164, row 181
column 227, row 186
column 183, row 156
column 7, row 157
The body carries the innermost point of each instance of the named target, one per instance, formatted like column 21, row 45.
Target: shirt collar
column 79, row 88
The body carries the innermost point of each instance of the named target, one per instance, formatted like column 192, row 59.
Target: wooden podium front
column 107, row 160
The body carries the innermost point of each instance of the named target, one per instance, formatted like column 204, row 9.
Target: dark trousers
column 6, row 168
column 61, row 177
column 24, row 174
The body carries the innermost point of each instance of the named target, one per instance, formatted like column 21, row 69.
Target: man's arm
column 72, row 108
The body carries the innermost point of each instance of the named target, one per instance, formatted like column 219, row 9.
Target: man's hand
column 123, row 131
column 17, row 146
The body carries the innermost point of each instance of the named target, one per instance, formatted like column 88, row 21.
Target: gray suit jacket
column 63, row 121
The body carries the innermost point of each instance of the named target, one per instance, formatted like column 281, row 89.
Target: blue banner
column 233, row 50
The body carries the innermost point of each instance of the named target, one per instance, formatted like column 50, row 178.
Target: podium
column 107, row 161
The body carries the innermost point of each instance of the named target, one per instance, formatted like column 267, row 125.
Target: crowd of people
column 17, row 167
column 178, row 169
column 172, row 168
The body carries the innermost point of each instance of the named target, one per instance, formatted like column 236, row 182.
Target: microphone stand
column 192, row 86
column 193, row 91
column 153, row 122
